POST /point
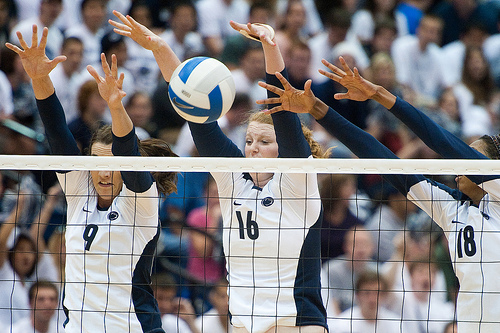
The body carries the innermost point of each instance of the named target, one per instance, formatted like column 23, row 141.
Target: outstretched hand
column 263, row 32
column 138, row 32
column 110, row 86
column 35, row 62
column 358, row 88
column 291, row 99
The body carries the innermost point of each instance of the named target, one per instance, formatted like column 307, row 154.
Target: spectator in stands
column 337, row 25
column 213, row 18
column 140, row 111
column 490, row 47
column 457, row 14
column 384, row 34
column 206, row 260
column 91, row 108
column 177, row 313
column 249, row 73
column 336, row 192
column 419, row 62
column 66, row 76
column 90, row 31
column 475, row 94
column 474, row 35
column 25, row 111
column 340, row 273
column 369, row 315
column 290, row 30
column 7, row 19
column 422, row 310
column 388, row 220
column 48, row 12
column 364, row 20
column 21, row 264
column 43, row 304
column 299, row 63
column 413, row 10
column 236, row 45
column 182, row 37
column 216, row 320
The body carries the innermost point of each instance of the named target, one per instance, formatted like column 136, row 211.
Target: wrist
column 384, row 97
column 319, row 109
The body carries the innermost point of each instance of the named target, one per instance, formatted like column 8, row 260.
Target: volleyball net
column 385, row 265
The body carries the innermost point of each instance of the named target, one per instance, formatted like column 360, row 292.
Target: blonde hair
column 316, row 149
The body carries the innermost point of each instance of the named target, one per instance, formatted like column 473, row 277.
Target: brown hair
column 483, row 89
column 86, row 90
column 316, row 149
column 491, row 146
column 368, row 276
column 165, row 181
column 38, row 285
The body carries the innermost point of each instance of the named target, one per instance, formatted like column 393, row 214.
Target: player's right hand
column 34, row 60
column 138, row 32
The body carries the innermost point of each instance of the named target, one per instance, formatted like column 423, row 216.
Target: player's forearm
column 121, row 123
column 166, row 60
column 274, row 59
column 43, row 87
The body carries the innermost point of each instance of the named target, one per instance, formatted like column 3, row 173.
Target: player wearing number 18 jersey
column 469, row 215
column 112, row 217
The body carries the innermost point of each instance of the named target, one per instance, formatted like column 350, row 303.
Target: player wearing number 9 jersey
column 112, row 217
column 469, row 215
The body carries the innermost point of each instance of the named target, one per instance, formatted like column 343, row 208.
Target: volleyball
column 201, row 89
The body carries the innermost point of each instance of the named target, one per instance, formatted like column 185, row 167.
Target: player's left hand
column 290, row 98
column 110, row 86
column 138, row 32
column 358, row 88
column 258, row 31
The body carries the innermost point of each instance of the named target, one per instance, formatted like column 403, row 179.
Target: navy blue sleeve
column 436, row 137
column 136, row 181
column 60, row 139
column 212, row 142
column 433, row 135
column 287, row 126
column 364, row 145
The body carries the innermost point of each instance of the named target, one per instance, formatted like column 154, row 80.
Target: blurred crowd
column 384, row 262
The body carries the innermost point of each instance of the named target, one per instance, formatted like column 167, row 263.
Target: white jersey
column 109, row 252
column 272, row 253
column 473, row 235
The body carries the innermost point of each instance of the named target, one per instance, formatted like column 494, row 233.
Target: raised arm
column 361, row 143
column 287, row 126
column 124, row 138
column 433, row 135
column 165, row 57
column 38, row 66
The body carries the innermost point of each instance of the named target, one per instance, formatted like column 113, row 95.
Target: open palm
column 138, row 32
column 34, row 60
column 110, row 86
column 358, row 89
column 290, row 98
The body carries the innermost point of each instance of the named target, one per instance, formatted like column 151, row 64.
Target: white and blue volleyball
column 201, row 89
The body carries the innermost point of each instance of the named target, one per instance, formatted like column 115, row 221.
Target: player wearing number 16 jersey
column 469, row 215
column 112, row 217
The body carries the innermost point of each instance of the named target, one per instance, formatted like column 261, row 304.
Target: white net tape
column 290, row 165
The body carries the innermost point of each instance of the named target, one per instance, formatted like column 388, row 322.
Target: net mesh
column 385, row 266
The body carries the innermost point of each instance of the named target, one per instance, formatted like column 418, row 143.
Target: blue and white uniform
column 472, row 231
column 109, row 252
column 271, row 235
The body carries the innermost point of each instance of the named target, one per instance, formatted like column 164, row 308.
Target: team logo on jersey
column 113, row 215
column 236, row 203
column 267, row 201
